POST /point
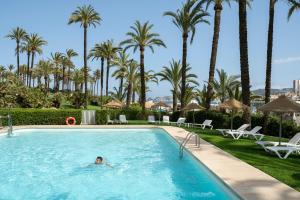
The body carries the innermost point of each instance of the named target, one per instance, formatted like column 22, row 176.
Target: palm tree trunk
column 85, row 67
column 214, row 51
column 68, row 82
column 269, row 59
column 31, row 67
column 107, row 74
column 121, row 85
column 133, row 96
column 244, row 58
column 184, row 65
column 63, row 78
column 18, row 58
column 129, row 94
column 101, row 81
column 143, row 85
column 174, row 101
column 28, row 63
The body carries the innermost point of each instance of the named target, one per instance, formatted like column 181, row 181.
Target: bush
column 41, row 116
column 223, row 120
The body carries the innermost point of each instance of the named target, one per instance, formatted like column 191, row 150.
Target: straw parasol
column 193, row 107
column 159, row 105
column 148, row 104
column 281, row 105
column 114, row 104
column 233, row 105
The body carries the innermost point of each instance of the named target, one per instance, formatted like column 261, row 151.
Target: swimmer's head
column 99, row 160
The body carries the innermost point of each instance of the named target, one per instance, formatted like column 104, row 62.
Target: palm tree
column 173, row 74
column 98, row 53
column 186, row 19
column 109, row 51
column 46, row 69
column 35, row 44
column 77, row 78
column 294, row 6
column 141, row 38
column 131, row 77
column 18, row 34
column 25, row 47
column 122, row 62
column 70, row 53
column 97, row 75
column 218, row 7
column 245, row 79
column 224, row 87
column 56, row 60
column 86, row 16
column 10, row 67
column 269, row 58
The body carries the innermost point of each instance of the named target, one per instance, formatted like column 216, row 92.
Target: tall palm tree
column 35, row 44
column 218, row 7
column 97, row 75
column 56, row 60
column 97, row 52
column 46, row 67
column 131, row 77
column 25, row 47
column 141, row 38
column 86, row 16
column 70, row 53
column 269, row 57
column 18, row 34
column 173, row 74
column 186, row 19
column 224, row 87
column 294, row 6
column 243, row 36
column 109, row 51
column 122, row 62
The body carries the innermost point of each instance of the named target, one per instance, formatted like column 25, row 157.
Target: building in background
column 296, row 87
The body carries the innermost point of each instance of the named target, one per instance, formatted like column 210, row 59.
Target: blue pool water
column 58, row 164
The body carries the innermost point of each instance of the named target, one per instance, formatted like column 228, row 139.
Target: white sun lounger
column 109, row 121
column 180, row 121
column 166, row 119
column 254, row 133
column 283, row 151
column 122, row 119
column 151, row 119
column 294, row 141
column 241, row 128
column 206, row 123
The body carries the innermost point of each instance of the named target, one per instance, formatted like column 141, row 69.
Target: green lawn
column 287, row 171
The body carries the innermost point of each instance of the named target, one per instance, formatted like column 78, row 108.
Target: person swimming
column 99, row 160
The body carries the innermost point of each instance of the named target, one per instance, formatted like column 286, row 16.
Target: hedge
column 223, row 120
column 27, row 116
column 22, row 116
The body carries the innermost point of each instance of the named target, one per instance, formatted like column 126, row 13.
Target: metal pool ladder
column 9, row 124
column 186, row 140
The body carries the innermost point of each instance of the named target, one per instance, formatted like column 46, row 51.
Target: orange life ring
column 70, row 118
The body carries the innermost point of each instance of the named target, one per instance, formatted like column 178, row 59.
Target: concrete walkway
column 244, row 179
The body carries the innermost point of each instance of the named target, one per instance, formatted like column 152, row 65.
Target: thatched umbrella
column 193, row 107
column 281, row 105
column 159, row 105
column 233, row 105
column 114, row 104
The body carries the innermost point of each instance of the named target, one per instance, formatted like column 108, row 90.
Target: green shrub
column 41, row 116
column 223, row 120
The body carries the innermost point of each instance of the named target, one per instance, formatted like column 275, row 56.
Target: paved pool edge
column 246, row 180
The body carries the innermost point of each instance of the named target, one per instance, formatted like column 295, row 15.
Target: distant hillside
column 261, row 92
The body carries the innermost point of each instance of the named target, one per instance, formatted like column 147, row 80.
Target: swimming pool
column 58, row 164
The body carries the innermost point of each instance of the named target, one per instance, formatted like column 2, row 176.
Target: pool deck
column 247, row 181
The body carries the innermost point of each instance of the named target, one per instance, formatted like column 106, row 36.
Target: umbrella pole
column 280, row 129
column 231, row 125
column 193, row 116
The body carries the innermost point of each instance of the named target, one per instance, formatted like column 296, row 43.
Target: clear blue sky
column 49, row 19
